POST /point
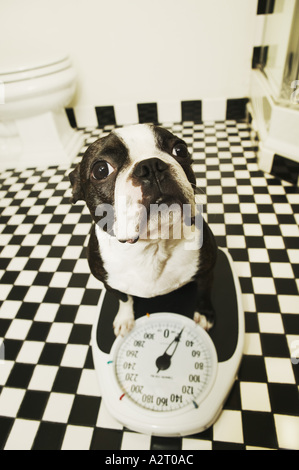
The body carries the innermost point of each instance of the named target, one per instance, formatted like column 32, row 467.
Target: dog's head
column 133, row 170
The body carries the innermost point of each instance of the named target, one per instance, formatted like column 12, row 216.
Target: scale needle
column 163, row 362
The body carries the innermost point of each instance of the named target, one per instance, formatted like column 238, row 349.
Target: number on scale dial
column 166, row 364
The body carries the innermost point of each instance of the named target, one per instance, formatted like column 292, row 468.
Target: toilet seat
column 31, row 65
column 38, row 76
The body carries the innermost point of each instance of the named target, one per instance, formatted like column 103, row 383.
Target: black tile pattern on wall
column 285, row 169
column 147, row 113
column 192, row 111
column 105, row 115
column 236, row 108
column 71, row 117
column 265, row 6
column 259, row 57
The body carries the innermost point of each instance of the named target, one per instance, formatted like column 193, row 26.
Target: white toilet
column 35, row 88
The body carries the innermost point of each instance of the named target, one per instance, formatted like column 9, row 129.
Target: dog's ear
column 77, row 193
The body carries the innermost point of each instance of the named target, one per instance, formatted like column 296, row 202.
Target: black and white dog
column 137, row 181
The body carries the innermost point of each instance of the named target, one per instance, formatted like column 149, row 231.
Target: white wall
column 134, row 51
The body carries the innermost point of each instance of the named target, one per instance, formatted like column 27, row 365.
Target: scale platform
column 220, row 351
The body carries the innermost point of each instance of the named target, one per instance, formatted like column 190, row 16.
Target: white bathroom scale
column 168, row 376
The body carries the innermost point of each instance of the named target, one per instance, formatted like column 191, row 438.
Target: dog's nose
column 150, row 169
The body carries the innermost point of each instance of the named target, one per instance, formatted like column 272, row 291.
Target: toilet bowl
column 34, row 128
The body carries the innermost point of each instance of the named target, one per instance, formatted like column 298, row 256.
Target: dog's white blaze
column 127, row 198
column 141, row 144
column 140, row 141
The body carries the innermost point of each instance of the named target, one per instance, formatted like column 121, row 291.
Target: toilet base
column 39, row 141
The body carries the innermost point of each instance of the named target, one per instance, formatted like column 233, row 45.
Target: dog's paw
column 123, row 326
column 124, row 320
column 203, row 320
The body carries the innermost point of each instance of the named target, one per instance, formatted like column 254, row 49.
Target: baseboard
column 218, row 109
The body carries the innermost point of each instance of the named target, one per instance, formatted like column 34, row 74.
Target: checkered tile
column 50, row 398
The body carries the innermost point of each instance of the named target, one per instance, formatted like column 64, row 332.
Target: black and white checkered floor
column 50, row 398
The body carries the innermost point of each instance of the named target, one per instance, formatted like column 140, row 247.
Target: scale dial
column 165, row 364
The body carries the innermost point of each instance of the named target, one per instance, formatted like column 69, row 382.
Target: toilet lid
column 20, row 65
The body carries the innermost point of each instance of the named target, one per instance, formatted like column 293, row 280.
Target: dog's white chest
column 147, row 269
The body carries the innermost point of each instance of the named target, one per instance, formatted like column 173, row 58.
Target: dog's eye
column 180, row 150
column 101, row 170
